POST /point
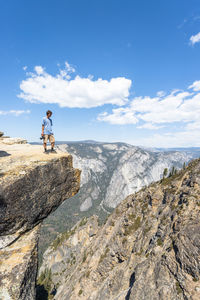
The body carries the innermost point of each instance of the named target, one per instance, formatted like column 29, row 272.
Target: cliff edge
column 32, row 185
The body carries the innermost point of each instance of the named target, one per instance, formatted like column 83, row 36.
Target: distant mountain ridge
column 153, row 149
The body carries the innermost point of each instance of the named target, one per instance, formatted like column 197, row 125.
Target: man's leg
column 52, row 141
column 45, row 142
column 52, row 146
column 45, row 147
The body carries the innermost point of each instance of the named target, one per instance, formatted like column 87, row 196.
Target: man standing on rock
column 47, row 132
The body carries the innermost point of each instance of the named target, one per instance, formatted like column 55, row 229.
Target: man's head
column 49, row 113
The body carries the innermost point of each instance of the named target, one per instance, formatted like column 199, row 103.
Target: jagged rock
column 148, row 249
column 1, row 133
column 32, row 185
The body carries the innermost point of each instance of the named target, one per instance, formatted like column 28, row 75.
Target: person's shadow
column 4, row 153
column 49, row 151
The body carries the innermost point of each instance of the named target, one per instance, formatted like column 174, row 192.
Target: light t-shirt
column 47, row 122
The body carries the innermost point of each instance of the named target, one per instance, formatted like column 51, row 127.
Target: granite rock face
column 149, row 248
column 18, row 268
column 109, row 173
column 32, row 185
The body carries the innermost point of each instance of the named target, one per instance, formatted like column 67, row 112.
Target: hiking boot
column 45, row 151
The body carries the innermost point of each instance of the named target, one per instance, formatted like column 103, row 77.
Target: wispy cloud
column 61, row 89
column 184, row 138
column 195, row 39
column 195, row 86
column 182, row 24
column 161, row 94
column 160, row 111
column 190, row 20
column 179, row 109
column 150, row 126
column 14, row 112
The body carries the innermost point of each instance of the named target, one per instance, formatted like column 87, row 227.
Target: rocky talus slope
column 32, row 185
column 148, row 249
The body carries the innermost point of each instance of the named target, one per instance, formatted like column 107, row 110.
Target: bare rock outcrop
column 11, row 141
column 32, row 185
column 149, row 248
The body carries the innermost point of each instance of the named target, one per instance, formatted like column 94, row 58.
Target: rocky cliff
column 110, row 172
column 32, row 185
column 149, row 248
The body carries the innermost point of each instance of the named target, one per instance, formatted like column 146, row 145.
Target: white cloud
column 149, row 126
column 41, row 87
column 161, row 94
column 193, row 126
column 14, row 112
column 195, row 38
column 195, row 86
column 154, row 113
column 120, row 116
column 184, row 138
column 69, row 68
column 39, row 70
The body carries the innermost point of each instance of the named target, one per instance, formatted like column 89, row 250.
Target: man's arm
column 42, row 129
column 43, row 124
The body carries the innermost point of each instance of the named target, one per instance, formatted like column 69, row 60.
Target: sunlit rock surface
column 110, row 172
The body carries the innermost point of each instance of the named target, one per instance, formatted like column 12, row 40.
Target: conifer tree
column 165, row 172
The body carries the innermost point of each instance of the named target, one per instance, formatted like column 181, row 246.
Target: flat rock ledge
column 32, row 185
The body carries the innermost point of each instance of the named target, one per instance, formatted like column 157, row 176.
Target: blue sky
column 109, row 70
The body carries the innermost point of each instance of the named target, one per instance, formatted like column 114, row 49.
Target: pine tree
column 173, row 170
column 165, row 172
